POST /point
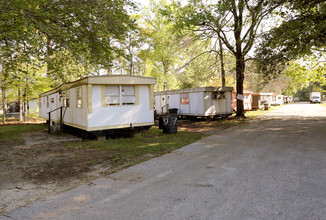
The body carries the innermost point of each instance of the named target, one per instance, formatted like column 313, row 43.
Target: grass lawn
column 129, row 151
column 13, row 132
column 55, row 162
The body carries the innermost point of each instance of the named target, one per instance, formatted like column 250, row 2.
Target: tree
column 87, row 29
column 299, row 36
column 242, row 18
column 202, row 65
column 301, row 32
column 72, row 37
column 166, row 47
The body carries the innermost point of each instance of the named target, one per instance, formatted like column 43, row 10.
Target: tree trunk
column 222, row 63
column 25, row 102
column 4, row 104
column 20, row 104
column 240, row 68
column 131, row 66
column 166, row 64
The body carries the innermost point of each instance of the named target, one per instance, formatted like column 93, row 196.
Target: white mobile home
column 280, row 99
column 260, row 99
column 201, row 102
column 273, row 99
column 102, row 103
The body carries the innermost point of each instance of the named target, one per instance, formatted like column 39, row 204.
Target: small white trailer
column 100, row 105
column 198, row 102
column 280, row 99
column 260, row 99
column 315, row 97
column 276, row 99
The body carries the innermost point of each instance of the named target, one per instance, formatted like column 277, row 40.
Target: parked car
column 296, row 99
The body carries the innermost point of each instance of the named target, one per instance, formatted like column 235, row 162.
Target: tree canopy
column 301, row 33
column 182, row 45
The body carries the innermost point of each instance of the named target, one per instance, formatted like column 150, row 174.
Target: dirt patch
column 41, row 167
column 209, row 126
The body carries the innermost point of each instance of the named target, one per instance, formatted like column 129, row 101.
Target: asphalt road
column 271, row 168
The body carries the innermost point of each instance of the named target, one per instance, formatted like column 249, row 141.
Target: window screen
column 128, row 95
column 79, row 97
column 112, row 96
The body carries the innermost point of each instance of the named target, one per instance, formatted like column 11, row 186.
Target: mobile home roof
column 192, row 90
column 104, row 80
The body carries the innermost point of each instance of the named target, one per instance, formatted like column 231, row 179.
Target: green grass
column 13, row 132
column 125, row 152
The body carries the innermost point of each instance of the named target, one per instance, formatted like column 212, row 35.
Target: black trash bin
column 160, row 122
column 170, row 124
column 173, row 112
column 266, row 106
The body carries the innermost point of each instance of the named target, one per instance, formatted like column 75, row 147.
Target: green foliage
column 235, row 23
column 165, row 46
column 66, row 68
column 86, row 29
column 300, row 34
column 44, row 42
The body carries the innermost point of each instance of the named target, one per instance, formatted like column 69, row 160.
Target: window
column 120, row 95
column 184, row 98
column 79, row 103
column 274, row 98
column 47, row 102
column 128, row 95
column 52, row 100
column 112, row 96
column 218, row 95
column 66, row 98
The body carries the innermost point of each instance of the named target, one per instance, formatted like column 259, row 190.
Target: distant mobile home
column 273, row 99
column 198, row 102
column 247, row 100
column 260, row 99
column 102, row 103
column 280, row 99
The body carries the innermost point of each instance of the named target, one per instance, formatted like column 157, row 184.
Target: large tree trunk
column 222, row 63
column 240, row 68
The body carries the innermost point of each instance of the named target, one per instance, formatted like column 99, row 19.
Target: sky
column 142, row 2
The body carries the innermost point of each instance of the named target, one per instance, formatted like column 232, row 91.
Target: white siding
column 158, row 106
column 174, row 101
column 104, row 116
column 196, row 101
column 201, row 103
column 43, row 109
column 74, row 115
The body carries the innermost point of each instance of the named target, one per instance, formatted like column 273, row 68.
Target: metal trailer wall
column 196, row 101
column 93, row 114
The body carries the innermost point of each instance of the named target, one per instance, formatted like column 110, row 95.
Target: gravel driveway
column 270, row 168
